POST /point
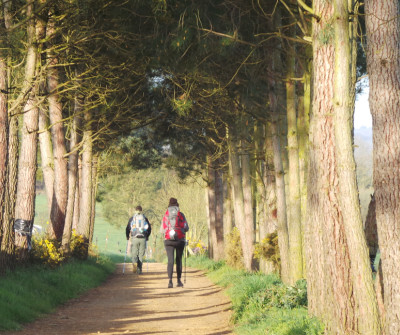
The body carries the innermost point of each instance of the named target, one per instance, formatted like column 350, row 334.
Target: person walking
column 174, row 228
column 138, row 231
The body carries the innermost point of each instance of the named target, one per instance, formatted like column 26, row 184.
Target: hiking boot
column 179, row 284
column 170, row 285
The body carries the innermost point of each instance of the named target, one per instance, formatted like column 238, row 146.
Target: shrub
column 268, row 249
column 234, row 252
column 46, row 251
column 79, row 246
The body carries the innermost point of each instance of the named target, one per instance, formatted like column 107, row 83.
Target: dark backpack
column 139, row 226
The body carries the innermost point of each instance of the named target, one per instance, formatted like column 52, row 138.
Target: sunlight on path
column 133, row 304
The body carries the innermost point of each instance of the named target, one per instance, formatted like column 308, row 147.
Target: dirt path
column 141, row 304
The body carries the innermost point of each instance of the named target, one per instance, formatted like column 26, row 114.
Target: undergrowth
column 261, row 303
column 29, row 292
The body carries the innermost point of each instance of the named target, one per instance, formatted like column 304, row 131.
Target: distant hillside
column 363, row 157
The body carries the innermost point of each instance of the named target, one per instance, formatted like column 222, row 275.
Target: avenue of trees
column 256, row 97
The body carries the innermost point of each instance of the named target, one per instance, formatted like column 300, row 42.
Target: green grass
column 32, row 291
column 261, row 304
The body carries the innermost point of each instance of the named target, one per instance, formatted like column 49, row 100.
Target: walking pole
column 126, row 251
column 147, row 260
column 185, row 250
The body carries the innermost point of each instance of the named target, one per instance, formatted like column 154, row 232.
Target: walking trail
column 141, row 304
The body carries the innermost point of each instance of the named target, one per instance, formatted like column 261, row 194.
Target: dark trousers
column 170, row 247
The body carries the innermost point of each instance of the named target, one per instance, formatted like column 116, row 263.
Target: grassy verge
column 261, row 303
column 30, row 292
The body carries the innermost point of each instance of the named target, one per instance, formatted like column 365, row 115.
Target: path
column 141, row 304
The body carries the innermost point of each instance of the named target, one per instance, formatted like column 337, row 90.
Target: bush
column 46, row 251
column 268, row 249
column 79, row 246
column 234, row 252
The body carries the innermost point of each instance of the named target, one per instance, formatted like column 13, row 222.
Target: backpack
column 173, row 231
column 139, row 226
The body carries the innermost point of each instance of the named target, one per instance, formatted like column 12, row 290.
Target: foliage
column 28, row 292
column 268, row 249
column 261, row 303
column 234, row 252
column 46, row 251
column 79, row 245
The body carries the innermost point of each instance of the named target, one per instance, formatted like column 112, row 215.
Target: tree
column 383, row 55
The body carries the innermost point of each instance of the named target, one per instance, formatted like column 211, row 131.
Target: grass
column 32, row 291
column 261, row 304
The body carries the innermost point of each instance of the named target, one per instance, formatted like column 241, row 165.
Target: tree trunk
column 26, row 180
column 238, row 199
column 46, row 155
column 270, row 203
column 219, row 216
column 248, row 207
column 366, row 308
column 60, row 192
column 86, row 181
column 228, row 218
column 294, row 204
column 212, row 234
column 371, row 229
column 383, row 64
column 72, row 175
column 283, row 233
column 328, row 266
column 3, row 164
column 95, row 169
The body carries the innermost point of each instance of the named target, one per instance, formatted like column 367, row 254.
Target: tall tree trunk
column 330, row 288
column 248, row 207
column 60, row 192
column 283, row 233
column 366, row 308
column 78, row 196
column 383, row 64
column 270, row 203
column 95, row 169
column 46, row 155
column 238, row 198
column 72, row 175
column 219, row 216
column 294, row 204
column 26, row 186
column 3, row 162
column 303, row 131
column 228, row 218
column 212, row 234
column 86, row 180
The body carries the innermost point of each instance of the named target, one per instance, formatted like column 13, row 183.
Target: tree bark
column 283, row 232
column 248, row 208
column 219, row 216
column 212, row 234
column 294, row 203
column 85, row 205
column 330, row 291
column 26, row 180
column 238, row 199
column 383, row 65
column 366, row 308
column 72, row 175
column 60, row 192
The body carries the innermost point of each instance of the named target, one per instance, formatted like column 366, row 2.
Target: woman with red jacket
column 174, row 228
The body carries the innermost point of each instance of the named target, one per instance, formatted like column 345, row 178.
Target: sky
column 362, row 115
